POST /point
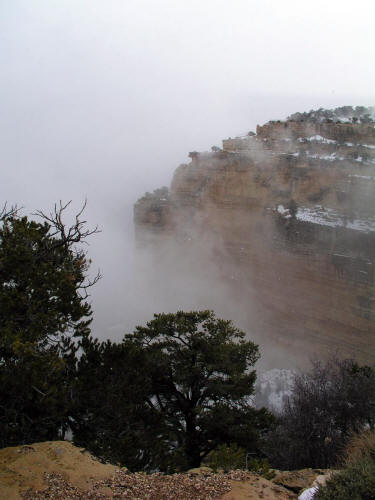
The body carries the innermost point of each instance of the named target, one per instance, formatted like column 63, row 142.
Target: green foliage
column 262, row 467
column 226, row 457
column 231, row 457
column 111, row 415
column 357, row 481
column 201, row 381
column 168, row 394
column 39, row 281
column 42, row 308
column 34, row 397
column 354, row 483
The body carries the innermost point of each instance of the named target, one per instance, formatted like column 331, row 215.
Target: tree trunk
column 192, row 448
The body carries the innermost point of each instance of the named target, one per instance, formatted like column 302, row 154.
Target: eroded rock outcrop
column 290, row 216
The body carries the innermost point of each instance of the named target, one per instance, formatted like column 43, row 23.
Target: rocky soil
column 58, row 471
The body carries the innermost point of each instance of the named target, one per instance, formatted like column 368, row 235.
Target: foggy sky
column 104, row 99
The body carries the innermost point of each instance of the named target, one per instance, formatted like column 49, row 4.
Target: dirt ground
column 58, row 470
column 23, row 467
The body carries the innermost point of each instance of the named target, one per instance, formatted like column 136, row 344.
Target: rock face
column 288, row 217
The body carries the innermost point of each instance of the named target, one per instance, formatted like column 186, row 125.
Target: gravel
column 141, row 486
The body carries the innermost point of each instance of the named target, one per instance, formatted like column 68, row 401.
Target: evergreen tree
column 202, row 382
column 168, row 394
column 44, row 313
column 111, row 416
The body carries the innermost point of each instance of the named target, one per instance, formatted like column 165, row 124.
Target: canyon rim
column 278, row 229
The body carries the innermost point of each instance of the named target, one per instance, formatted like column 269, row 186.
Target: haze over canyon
column 275, row 230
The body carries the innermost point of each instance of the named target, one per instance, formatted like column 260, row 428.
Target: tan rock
column 256, row 488
column 298, row 480
column 310, row 284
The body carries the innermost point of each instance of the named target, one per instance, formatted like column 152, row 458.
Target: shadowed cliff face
column 277, row 232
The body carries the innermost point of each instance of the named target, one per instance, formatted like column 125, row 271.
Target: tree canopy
column 169, row 393
column 110, row 414
column 202, row 382
column 44, row 312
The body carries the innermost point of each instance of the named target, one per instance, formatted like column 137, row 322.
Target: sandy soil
column 58, row 470
column 23, row 467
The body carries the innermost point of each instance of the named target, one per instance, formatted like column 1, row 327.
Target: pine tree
column 44, row 313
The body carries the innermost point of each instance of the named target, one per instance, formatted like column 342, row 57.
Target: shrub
column 227, row 457
column 327, row 405
column 230, row 457
column 262, row 467
column 360, row 446
column 354, row 483
column 357, row 481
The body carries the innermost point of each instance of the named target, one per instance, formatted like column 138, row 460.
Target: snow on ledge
column 331, row 157
column 316, row 138
column 329, row 217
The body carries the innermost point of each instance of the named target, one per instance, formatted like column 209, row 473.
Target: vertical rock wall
column 287, row 216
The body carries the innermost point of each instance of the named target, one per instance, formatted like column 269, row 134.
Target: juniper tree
column 202, row 375
column 44, row 313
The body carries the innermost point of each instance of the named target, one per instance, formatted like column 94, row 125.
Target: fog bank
column 103, row 100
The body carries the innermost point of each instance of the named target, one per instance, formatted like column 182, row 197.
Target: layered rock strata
column 289, row 214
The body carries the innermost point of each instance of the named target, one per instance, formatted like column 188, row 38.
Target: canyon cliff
column 286, row 217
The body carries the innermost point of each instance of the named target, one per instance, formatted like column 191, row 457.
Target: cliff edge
column 289, row 214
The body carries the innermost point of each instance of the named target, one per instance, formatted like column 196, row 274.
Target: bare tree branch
column 76, row 233
column 6, row 212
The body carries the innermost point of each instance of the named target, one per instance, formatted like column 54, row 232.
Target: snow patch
column 367, row 177
column 283, row 211
column 331, row 157
column 316, row 138
column 331, row 218
column 308, row 494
